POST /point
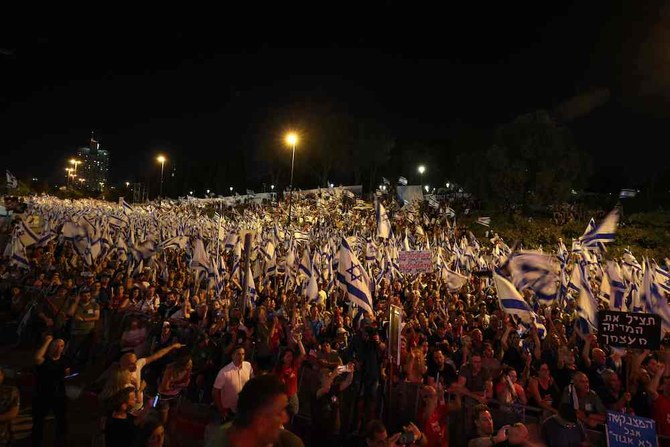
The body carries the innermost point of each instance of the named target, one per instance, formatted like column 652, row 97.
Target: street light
column 272, row 187
column 421, row 170
column 291, row 140
column 127, row 184
column 231, row 189
column 161, row 159
column 76, row 163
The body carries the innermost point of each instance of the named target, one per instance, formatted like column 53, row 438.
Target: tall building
column 94, row 167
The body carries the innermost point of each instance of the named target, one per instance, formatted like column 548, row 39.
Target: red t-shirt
column 289, row 376
column 435, row 427
column 660, row 411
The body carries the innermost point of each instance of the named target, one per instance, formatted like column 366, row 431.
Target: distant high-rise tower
column 94, row 165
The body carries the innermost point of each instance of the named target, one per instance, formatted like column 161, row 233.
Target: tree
column 533, row 161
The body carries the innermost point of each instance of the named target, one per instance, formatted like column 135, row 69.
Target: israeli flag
column 250, row 289
column 535, row 271
column 587, row 306
column 616, row 286
column 602, row 233
column 127, row 209
column 353, row 278
column 12, row 183
column 305, row 266
column 485, row 221
column 402, row 181
column 383, row 222
column 312, row 289
column 512, row 302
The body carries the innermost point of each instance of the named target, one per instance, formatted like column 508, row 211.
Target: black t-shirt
column 120, row 432
column 50, row 378
column 448, row 374
column 326, row 412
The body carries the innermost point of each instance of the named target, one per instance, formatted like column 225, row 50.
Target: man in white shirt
column 229, row 382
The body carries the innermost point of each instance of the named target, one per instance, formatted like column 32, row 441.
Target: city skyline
column 202, row 94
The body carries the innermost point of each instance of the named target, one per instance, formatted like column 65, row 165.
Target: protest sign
column 416, row 261
column 627, row 430
column 629, row 330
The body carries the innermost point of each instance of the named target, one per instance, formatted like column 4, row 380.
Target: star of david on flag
column 353, row 279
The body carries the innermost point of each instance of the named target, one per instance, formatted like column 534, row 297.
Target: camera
column 406, row 438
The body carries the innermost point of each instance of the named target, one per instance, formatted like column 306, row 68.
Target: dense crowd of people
column 278, row 367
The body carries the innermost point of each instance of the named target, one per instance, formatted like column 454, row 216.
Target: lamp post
column 421, row 170
column 291, row 140
column 161, row 159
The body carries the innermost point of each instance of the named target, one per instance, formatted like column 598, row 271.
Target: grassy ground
column 645, row 234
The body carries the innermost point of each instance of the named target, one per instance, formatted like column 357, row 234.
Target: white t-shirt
column 230, row 381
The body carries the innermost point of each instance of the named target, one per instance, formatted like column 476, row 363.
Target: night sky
column 208, row 84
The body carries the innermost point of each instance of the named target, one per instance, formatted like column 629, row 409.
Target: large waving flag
column 602, row 233
column 535, row 271
column 383, row 222
column 513, row 303
column 353, row 278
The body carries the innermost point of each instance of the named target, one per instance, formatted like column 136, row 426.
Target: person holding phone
column 50, row 389
column 326, row 422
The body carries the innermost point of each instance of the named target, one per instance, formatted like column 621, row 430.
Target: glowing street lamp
column 272, row 187
column 422, row 170
column 291, row 140
column 161, row 159
column 76, row 163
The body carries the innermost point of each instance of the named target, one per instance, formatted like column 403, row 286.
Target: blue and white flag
column 602, row 233
column 250, row 289
column 402, row 181
column 535, row 271
column 383, row 222
column 312, row 288
column 485, row 221
column 587, row 306
column 353, row 278
column 616, row 286
column 512, row 302
column 127, row 209
column 305, row 266
column 12, row 183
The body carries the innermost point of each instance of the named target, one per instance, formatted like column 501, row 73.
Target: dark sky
column 197, row 83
